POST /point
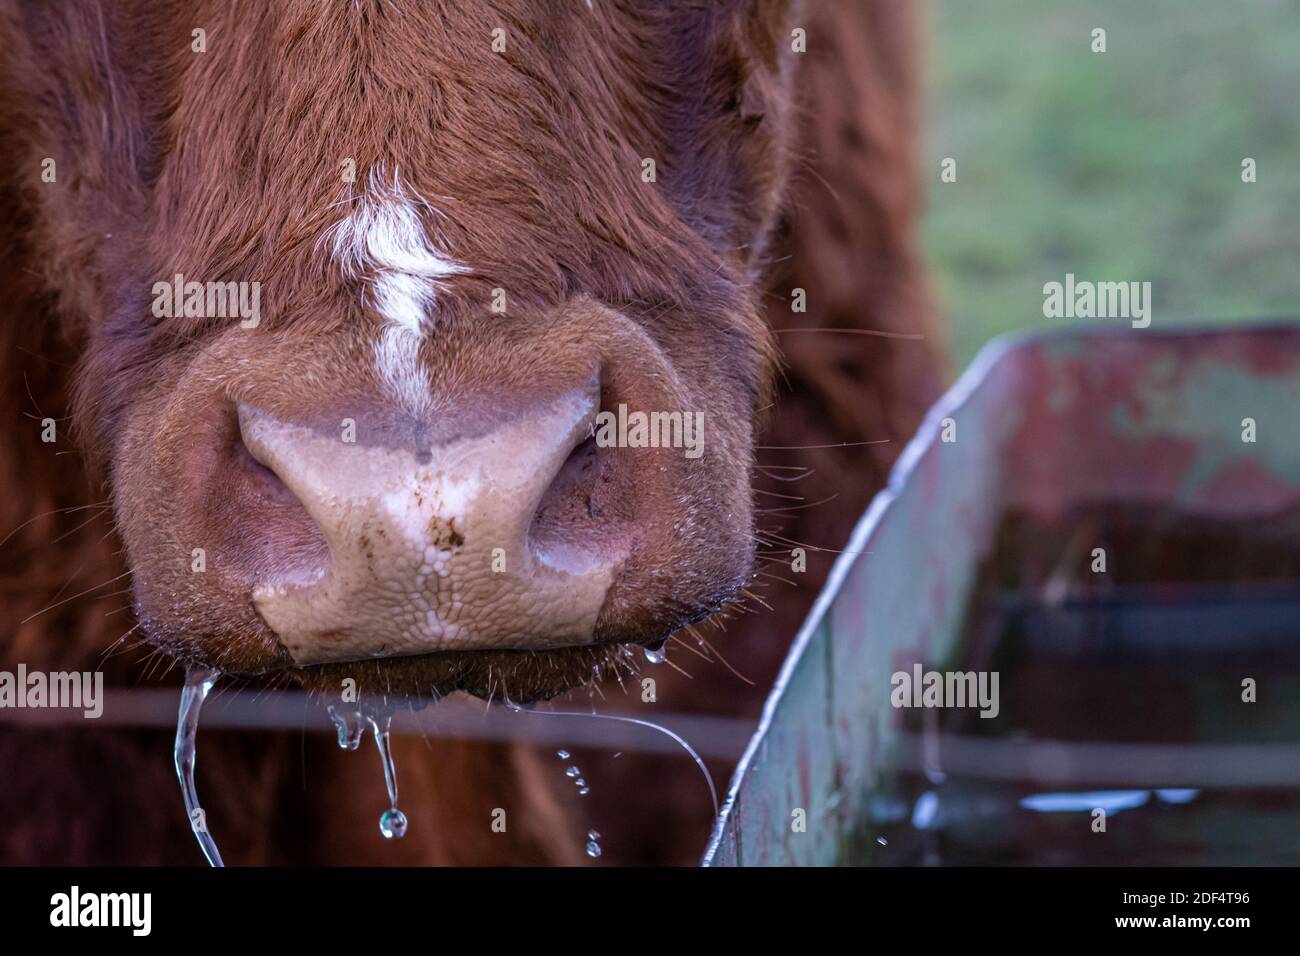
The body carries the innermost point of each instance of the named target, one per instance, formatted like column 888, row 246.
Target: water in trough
column 1149, row 712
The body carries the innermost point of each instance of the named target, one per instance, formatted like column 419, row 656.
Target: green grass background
column 1123, row 165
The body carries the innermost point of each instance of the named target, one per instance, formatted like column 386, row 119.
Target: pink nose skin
column 432, row 551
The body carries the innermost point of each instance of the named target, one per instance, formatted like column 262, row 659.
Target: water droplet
column 350, row 726
column 655, row 653
column 573, row 772
column 593, row 834
column 593, row 849
column 393, row 824
column 925, row 810
column 882, row 841
column 704, row 770
column 198, row 682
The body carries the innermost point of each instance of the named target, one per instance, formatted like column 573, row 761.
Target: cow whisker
column 789, row 508
column 109, row 651
column 694, row 650
column 67, row 510
column 878, row 333
column 776, row 577
column 803, row 544
column 74, row 597
column 765, row 470
column 714, row 651
column 841, row 444
column 67, row 534
column 751, row 595
column 760, row 491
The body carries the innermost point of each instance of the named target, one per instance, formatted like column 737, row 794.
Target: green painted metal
column 1039, row 423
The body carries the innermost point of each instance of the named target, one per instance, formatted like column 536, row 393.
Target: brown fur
column 224, row 165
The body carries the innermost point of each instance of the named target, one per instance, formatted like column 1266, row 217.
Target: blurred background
column 1128, row 686
column 1123, row 165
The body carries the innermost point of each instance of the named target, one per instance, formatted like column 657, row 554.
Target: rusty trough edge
column 987, row 358
column 990, row 356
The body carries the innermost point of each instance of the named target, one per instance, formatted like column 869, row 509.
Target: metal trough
column 1050, row 431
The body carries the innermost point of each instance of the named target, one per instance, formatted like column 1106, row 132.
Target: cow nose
column 436, row 546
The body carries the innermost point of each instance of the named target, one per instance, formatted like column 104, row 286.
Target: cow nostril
column 263, row 476
column 580, row 462
column 280, row 541
column 569, row 529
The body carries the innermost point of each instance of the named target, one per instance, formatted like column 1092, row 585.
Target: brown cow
column 468, row 228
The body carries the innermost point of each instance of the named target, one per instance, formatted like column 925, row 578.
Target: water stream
column 350, row 723
column 198, row 682
column 392, row 824
column 651, row 725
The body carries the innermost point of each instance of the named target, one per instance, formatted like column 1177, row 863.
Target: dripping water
column 351, row 727
column 572, row 771
column 563, row 754
column 655, row 653
column 198, row 682
column 392, row 824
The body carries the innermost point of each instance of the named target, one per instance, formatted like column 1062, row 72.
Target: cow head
column 355, row 282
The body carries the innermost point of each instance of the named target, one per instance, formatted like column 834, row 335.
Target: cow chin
column 236, row 642
column 504, row 676
column 513, row 674
column 518, row 677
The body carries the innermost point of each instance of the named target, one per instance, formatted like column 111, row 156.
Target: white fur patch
column 384, row 239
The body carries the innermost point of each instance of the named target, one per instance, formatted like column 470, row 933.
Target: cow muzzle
column 436, row 546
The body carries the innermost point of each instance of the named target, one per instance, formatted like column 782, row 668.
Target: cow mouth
column 517, row 675
column 508, row 676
